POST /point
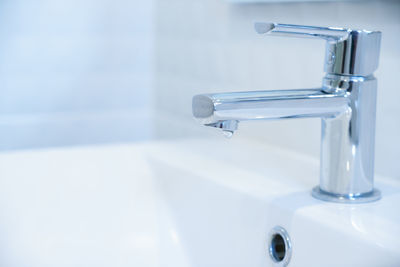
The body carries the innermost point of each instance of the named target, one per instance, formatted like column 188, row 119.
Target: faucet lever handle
column 326, row 33
column 348, row 52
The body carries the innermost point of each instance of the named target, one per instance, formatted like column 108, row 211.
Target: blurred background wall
column 75, row 72
column 84, row 72
column 210, row 46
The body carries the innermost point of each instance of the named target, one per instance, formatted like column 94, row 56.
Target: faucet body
column 346, row 104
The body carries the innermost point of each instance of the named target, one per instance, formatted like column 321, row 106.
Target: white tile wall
column 73, row 58
column 210, row 46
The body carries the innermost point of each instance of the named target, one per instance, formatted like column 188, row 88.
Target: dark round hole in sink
column 278, row 248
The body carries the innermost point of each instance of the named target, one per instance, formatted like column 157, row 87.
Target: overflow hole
column 278, row 248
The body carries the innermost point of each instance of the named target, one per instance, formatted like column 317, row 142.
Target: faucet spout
column 211, row 109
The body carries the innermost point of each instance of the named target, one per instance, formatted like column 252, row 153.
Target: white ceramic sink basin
column 183, row 203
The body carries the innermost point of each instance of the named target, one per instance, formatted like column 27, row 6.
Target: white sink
column 183, row 203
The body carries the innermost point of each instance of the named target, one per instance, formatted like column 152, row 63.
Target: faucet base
column 331, row 197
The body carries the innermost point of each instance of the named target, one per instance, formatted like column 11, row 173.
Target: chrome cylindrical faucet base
column 348, row 139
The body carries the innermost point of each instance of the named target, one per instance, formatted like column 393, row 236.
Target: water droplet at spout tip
column 227, row 134
column 228, row 127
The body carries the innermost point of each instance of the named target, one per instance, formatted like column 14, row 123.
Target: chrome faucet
column 346, row 103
